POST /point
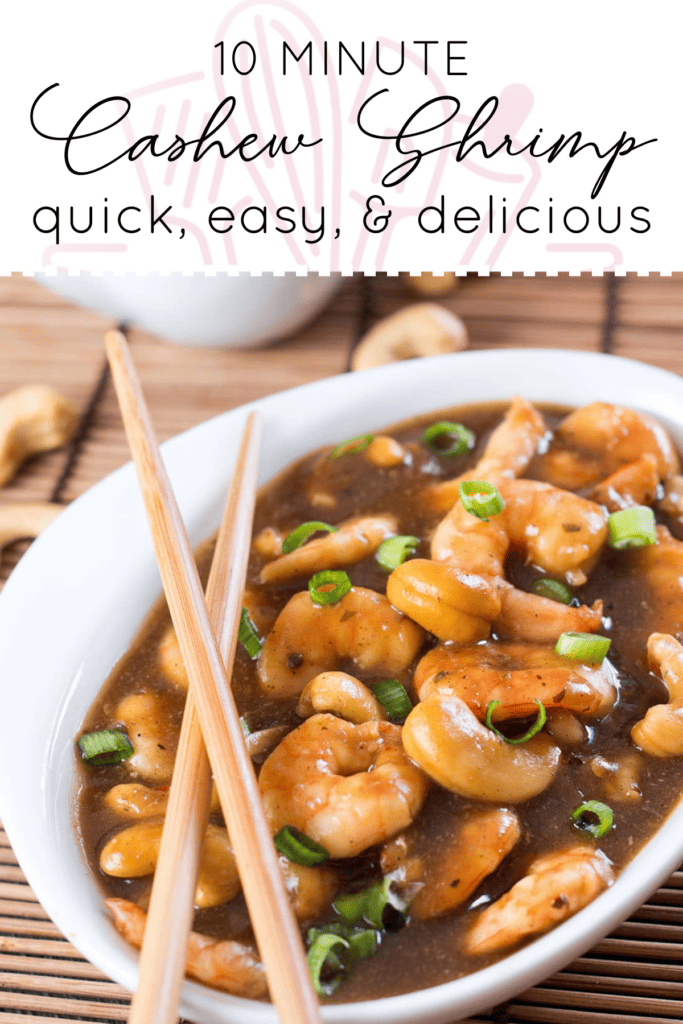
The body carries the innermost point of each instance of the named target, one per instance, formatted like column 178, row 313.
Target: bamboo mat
column 633, row 977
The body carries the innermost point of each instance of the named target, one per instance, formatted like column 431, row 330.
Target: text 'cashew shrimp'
column 443, row 736
column 308, row 639
column 556, row 886
column 346, row 786
column 660, row 732
column 228, row 965
column 517, row 675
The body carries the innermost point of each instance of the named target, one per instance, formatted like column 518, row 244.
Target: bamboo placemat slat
column 632, row 977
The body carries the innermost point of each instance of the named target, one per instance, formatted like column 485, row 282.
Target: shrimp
column 600, row 438
column 540, row 620
column 516, row 675
column 228, row 965
column 557, row 885
column 634, row 484
column 343, row 695
column 355, row 540
column 509, row 450
column 447, row 741
column 346, row 786
column 481, row 843
column 660, row 732
column 308, row 638
column 660, row 569
column 559, row 532
column 145, row 717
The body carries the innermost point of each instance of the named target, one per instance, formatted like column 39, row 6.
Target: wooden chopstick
column 169, row 919
column 272, row 919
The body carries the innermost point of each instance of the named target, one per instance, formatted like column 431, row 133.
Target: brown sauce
column 423, row 953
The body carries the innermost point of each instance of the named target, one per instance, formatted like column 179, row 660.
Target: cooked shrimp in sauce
column 405, row 706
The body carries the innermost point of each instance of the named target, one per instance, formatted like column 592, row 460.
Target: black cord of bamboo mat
column 367, row 296
column 611, row 304
column 83, row 429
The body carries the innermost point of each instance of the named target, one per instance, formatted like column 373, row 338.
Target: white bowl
column 75, row 601
column 227, row 311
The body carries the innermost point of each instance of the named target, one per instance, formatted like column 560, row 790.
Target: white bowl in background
column 220, row 310
column 75, row 601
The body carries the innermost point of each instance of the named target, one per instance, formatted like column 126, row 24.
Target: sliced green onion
column 297, row 537
column 553, row 589
column 342, row 585
column 393, row 698
column 462, row 438
column 352, row 447
column 597, row 828
column 536, row 727
column 298, row 848
column 110, row 746
column 481, row 498
column 376, row 905
column 585, row 647
column 362, row 941
column 246, row 731
column 248, row 636
column 395, row 550
column 632, row 528
column 377, row 899
column 318, row 953
column 350, row 906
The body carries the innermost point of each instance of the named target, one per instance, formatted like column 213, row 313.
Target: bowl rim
column 662, row 393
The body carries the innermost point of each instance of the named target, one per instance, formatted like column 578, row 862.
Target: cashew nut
column 432, row 285
column 134, row 851
column 343, row 695
column 33, row 419
column 453, row 605
column 23, row 519
column 444, row 738
column 385, row 452
column 421, row 330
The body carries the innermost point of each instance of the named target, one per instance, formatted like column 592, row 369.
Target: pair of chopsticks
column 210, row 718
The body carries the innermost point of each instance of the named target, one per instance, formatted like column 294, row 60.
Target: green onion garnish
column 297, row 537
column 110, row 746
column 298, row 848
column 553, row 589
column 318, row 953
column 585, row 647
column 248, row 637
column 393, row 697
column 378, row 905
column 342, row 585
column 632, row 528
column 536, row 727
column 395, row 550
column 462, row 438
column 362, row 941
column 352, row 447
column 246, row 731
column 481, row 498
column 597, row 828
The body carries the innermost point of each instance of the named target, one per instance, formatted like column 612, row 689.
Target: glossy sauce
column 423, row 953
